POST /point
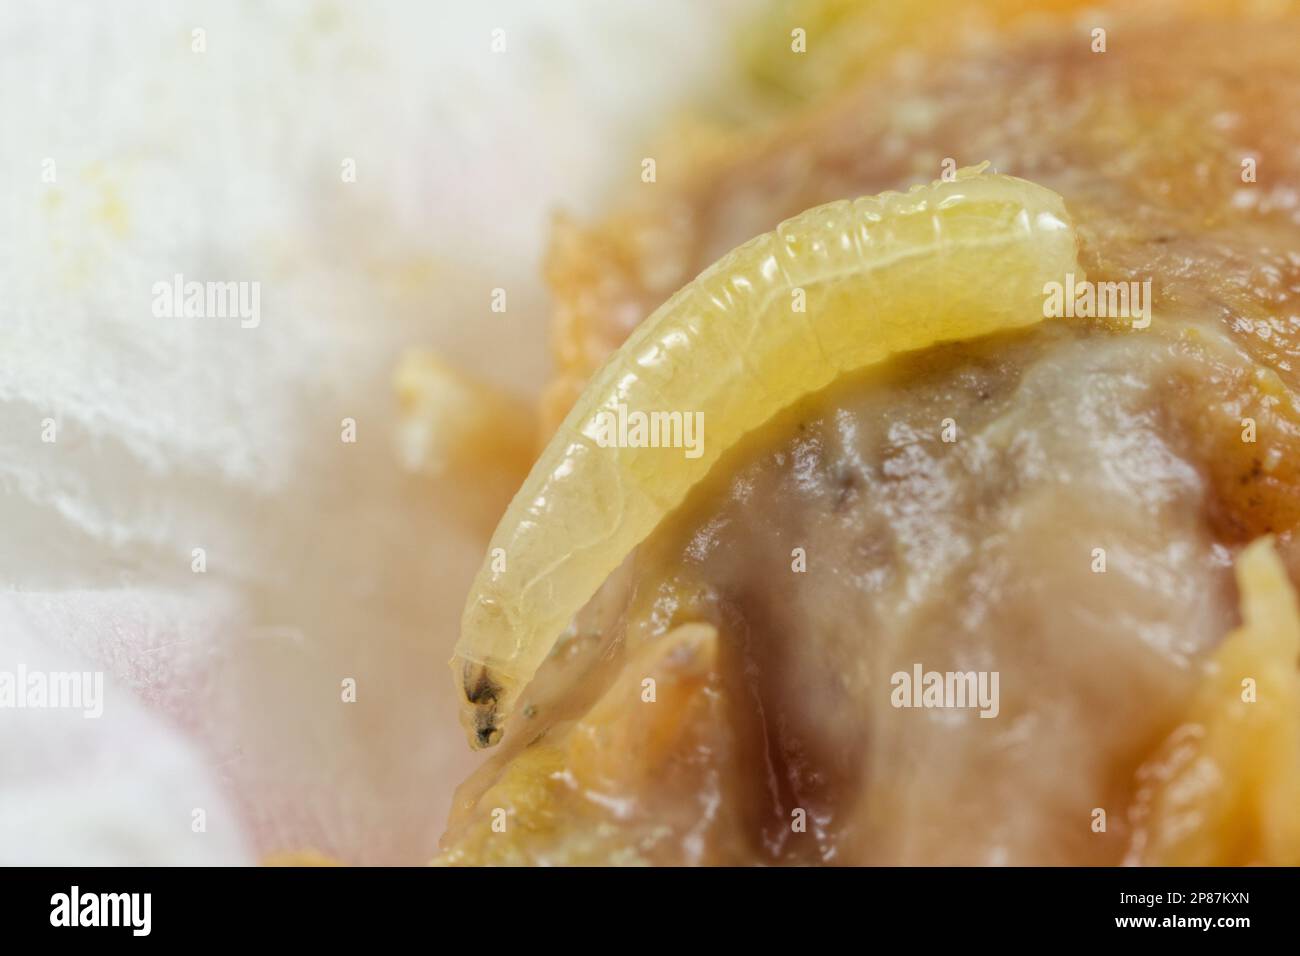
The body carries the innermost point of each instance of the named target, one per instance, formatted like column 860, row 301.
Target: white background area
column 325, row 561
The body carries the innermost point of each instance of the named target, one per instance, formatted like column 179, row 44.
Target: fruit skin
column 879, row 276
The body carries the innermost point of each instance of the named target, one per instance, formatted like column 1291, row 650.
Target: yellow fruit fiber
column 1225, row 789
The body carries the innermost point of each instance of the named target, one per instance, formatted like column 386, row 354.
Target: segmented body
column 838, row 288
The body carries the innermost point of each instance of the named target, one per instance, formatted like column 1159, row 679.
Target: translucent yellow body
column 835, row 289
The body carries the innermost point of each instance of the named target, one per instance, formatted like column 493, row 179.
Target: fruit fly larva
column 879, row 276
